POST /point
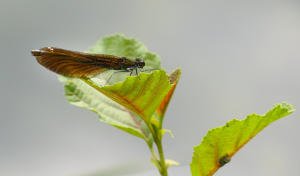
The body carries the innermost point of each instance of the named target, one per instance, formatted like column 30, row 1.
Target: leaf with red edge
column 174, row 78
column 141, row 94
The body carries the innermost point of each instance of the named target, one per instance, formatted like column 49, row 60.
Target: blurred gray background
column 237, row 57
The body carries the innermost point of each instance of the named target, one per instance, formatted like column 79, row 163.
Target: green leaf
column 119, row 45
column 141, row 94
column 80, row 94
column 220, row 144
column 161, row 110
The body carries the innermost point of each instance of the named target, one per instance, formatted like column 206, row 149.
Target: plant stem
column 161, row 164
column 163, row 169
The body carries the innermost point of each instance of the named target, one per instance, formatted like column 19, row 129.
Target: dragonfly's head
column 139, row 63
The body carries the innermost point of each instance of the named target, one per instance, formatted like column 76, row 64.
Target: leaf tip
column 286, row 106
column 174, row 76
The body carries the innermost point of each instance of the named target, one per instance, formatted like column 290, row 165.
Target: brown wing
column 70, row 63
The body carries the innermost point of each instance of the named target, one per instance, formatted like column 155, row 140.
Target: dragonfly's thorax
column 139, row 63
column 126, row 64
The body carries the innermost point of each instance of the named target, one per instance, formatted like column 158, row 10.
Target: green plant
column 137, row 105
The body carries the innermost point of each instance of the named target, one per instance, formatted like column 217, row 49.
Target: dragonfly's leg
column 114, row 74
column 130, row 70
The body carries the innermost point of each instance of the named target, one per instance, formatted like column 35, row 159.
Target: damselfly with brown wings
column 83, row 65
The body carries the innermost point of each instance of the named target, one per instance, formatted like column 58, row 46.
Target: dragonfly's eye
column 139, row 63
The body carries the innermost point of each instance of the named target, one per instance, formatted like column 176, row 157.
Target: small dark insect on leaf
column 224, row 160
column 83, row 65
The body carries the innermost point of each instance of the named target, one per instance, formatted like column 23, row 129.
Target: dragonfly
column 84, row 65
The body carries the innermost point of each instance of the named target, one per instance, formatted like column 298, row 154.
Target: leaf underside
column 220, row 144
column 80, row 94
